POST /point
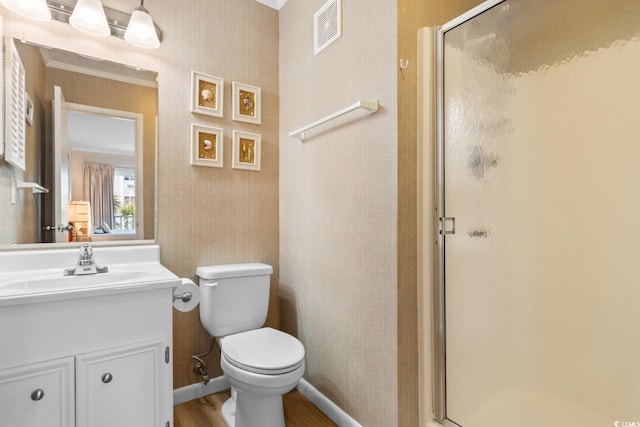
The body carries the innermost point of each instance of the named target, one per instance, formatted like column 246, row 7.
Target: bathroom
column 342, row 240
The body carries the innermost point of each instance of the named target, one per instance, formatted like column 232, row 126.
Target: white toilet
column 261, row 364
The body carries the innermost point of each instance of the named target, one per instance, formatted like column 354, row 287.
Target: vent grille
column 327, row 25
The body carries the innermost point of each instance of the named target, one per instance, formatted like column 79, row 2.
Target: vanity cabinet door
column 38, row 395
column 123, row 386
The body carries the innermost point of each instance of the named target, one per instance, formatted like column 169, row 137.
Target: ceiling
column 276, row 4
column 100, row 133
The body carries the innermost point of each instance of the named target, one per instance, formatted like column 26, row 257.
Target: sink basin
column 54, row 281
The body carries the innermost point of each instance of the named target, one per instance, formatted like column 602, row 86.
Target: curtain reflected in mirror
column 98, row 190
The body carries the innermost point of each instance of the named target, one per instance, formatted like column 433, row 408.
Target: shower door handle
column 447, row 225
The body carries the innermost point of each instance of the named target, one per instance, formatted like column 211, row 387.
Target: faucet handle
column 86, row 263
column 86, row 251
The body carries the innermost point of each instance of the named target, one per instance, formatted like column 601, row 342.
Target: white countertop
column 38, row 276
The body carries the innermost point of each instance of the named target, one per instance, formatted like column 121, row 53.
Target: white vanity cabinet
column 99, row 360
column 86, row 350
column 113, row 387
column 40, row 394
column 121, row 387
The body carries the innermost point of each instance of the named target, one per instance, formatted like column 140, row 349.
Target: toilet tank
column 234, row 297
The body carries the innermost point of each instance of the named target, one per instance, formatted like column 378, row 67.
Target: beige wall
column 338, row 206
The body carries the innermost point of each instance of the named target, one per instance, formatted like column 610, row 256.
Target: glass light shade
column 88, row 16
column 140, row 31
column 34, row 9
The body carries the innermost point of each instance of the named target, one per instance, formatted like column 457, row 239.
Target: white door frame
column 138, row 119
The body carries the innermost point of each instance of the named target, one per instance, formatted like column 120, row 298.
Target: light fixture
column 88, row 16
column 141, row 32
column 34, row 9
column 91, row 17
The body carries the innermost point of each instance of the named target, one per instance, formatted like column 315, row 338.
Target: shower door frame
column 439, row 292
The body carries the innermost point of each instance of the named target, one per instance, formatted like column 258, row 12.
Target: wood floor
column 205, row 412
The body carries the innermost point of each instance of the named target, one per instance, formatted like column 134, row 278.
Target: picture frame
column 246, row 103
column 207, row 146
column 247, row 148
column 28, row 108
column 207, row 94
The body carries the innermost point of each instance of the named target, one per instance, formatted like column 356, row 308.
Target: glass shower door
column 540, row 207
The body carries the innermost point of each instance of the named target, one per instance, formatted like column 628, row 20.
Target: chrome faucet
column 86, row 263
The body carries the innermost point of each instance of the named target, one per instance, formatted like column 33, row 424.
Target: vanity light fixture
column 34, row 9
column 88, row 16
column 91, row 17
column 141, row 31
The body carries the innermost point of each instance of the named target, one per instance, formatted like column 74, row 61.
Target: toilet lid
column 264, row 351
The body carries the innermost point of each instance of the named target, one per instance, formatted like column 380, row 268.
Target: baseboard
column 326, row 406
column 198, row 390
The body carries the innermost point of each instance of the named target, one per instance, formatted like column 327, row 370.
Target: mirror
column 90, row 141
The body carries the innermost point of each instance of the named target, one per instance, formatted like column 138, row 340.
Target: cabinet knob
column 37, row 394
column 106, row 378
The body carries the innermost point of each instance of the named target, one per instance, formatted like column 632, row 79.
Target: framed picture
column 207, row 146
column 246, row 150
column 207, row 94
column 28, row 108
column 246, row 103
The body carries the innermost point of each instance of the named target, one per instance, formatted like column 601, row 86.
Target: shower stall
column 535, row 303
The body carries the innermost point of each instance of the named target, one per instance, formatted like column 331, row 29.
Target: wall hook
column 404, row 63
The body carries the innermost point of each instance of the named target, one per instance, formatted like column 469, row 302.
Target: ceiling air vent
column 327, row 25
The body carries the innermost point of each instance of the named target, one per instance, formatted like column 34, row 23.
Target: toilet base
column 243, row 410
column 229, row 413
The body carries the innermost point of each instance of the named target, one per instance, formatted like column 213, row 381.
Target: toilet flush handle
column 212, row 285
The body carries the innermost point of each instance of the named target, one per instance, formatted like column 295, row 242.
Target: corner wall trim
column 198, row 390
column 326, row 406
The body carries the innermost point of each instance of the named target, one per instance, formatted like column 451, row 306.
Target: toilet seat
column 263, row 351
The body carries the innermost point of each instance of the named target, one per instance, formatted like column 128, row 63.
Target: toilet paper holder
column 185, row 297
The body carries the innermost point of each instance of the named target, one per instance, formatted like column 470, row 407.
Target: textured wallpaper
column 338, row 206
